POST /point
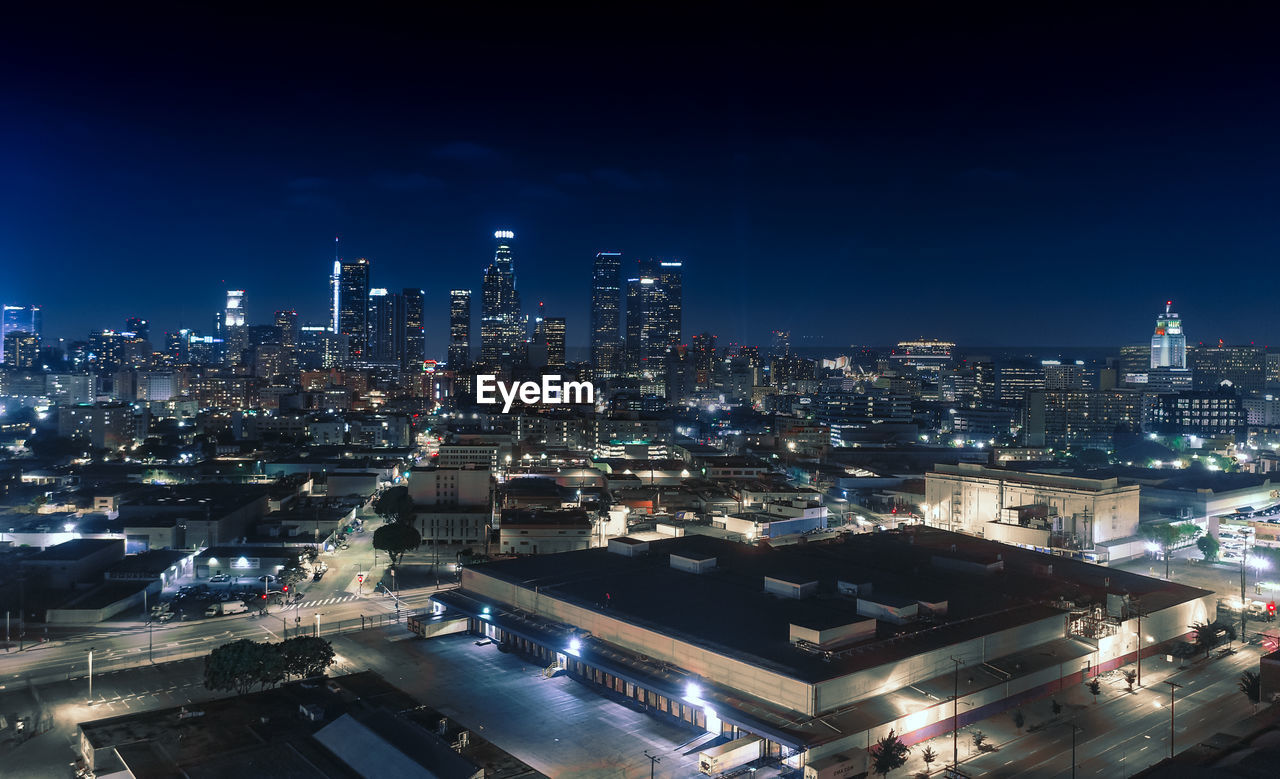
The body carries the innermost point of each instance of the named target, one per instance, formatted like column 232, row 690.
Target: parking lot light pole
column 1173, row 686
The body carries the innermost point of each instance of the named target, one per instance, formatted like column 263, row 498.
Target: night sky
column 991, row 179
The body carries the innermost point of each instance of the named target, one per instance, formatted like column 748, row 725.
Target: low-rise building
column 535, row 532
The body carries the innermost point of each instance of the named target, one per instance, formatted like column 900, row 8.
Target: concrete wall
column 718, row 669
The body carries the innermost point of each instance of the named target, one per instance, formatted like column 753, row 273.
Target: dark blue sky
column 989, row 179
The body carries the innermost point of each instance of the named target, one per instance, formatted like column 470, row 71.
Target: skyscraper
column 459, row 329
column 606, row 310
column 335, row 286
column 385, row 331
column 654, row 314
column 237, row 335
column 287, row 328
column 138, row 327
column 1169, row 344
column 414, row 340
column 353, row 306
column 553, row 330
column 20, row 319
column 501, row 327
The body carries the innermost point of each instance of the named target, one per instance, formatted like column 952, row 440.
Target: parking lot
column 559, row 726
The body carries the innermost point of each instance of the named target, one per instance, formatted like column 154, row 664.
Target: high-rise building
column 1243, row 367
column 20, row 319
column 386, row 314
column 21, row 349
column 138, row 327
column 704, row 359
column 319, row 347
column 335, row 289
column 501, row 327
column 459, row 328
column 654, row 314
column 553, row 330
column 353, row 306
column 106, row 350
column 233, row 322
column 606, row 312
column 414, row 340
column 287, row 327
column 1169, row 344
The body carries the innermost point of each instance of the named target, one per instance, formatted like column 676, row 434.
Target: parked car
column 222, row 577
column 317, row 576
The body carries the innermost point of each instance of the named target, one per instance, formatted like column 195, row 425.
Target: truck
column 727, row 757
column 225, row 608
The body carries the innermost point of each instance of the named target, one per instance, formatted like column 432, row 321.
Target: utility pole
column 1244, row 609
column 1074, row 729
column 1172, row 687
column 653, row 761
column 146, row 612
column 1137, row 606
column 955, row 718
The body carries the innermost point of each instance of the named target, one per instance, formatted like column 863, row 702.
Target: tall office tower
column 106, row 350
column 704, row 359
column 287, row 330
column 20, row 319
column 335, row 287
column 320, row 348
column 21, row 349
column 459, row 329
column 237, row 334
column 501, row 327
column 414, row 340
column 781, row 342
column 353, row 306
column 1169, row 344
column 1243, row 367
column 606, row 312
column 386, row 312
column 138, row 327
column 553, row 331
column 654, row 314
column 175, row 346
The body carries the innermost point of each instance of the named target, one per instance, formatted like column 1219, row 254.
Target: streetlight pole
column 955, row 717
column 1244, row 610
column 317, row 624
column 653, row 761
column 146, row 612
column 1074, row 729
column 91, row 675
column 1172, row 687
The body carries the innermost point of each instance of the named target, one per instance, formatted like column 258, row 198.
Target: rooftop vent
column 790, row 586
column 628, row 547
column 693, row 562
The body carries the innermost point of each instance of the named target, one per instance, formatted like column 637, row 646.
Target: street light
column 317, row 624
column 91, row 675
column 1172, row 687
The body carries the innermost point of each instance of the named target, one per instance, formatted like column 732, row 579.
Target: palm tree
column 1129, row 678
column 928, row 756
column 1251, row 686
column 1095, row 687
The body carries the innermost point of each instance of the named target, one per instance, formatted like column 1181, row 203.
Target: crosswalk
column 329, row 601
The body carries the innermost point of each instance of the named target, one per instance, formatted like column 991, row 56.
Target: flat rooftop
column 728, row 610
column 77, row 549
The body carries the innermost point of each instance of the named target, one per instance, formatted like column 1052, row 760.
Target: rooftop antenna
column 1167, row 305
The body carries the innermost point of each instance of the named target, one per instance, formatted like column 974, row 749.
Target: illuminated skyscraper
column 353, row 306
column 385, row 315
column 553, row 331
column 138, row 327
column 1169, row 344
column 459, row 329
column 287, row 328
column 654, row 314
column 233, row 321
column 606, row 312
column 414, row 340
column 335, row 286
column 20, row 319
column 501, row 328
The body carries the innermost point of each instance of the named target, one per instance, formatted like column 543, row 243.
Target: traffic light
column 264, row 596
column 360, row 578
column 1271, row 610
column 285, row 588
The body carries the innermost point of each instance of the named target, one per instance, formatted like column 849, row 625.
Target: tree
column 1129, row 678
column 1251, row 686
column 1019, row 719
column 239, row 665
column 1095, row 687
column 395, row 539
column 1057, row 707
column 306, row 655
column 1209, row 547
column 1208, row 636
column 888, row 753
column 928, row 756
column 394, row 505
column 979, row 739
column 292, row 573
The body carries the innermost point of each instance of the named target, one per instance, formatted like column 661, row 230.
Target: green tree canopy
column 1251, row 686
column 394, row 505
column 239, row 665
column 1209, row 547
column 888, row 753
column 396, row 538
column 306, row 655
